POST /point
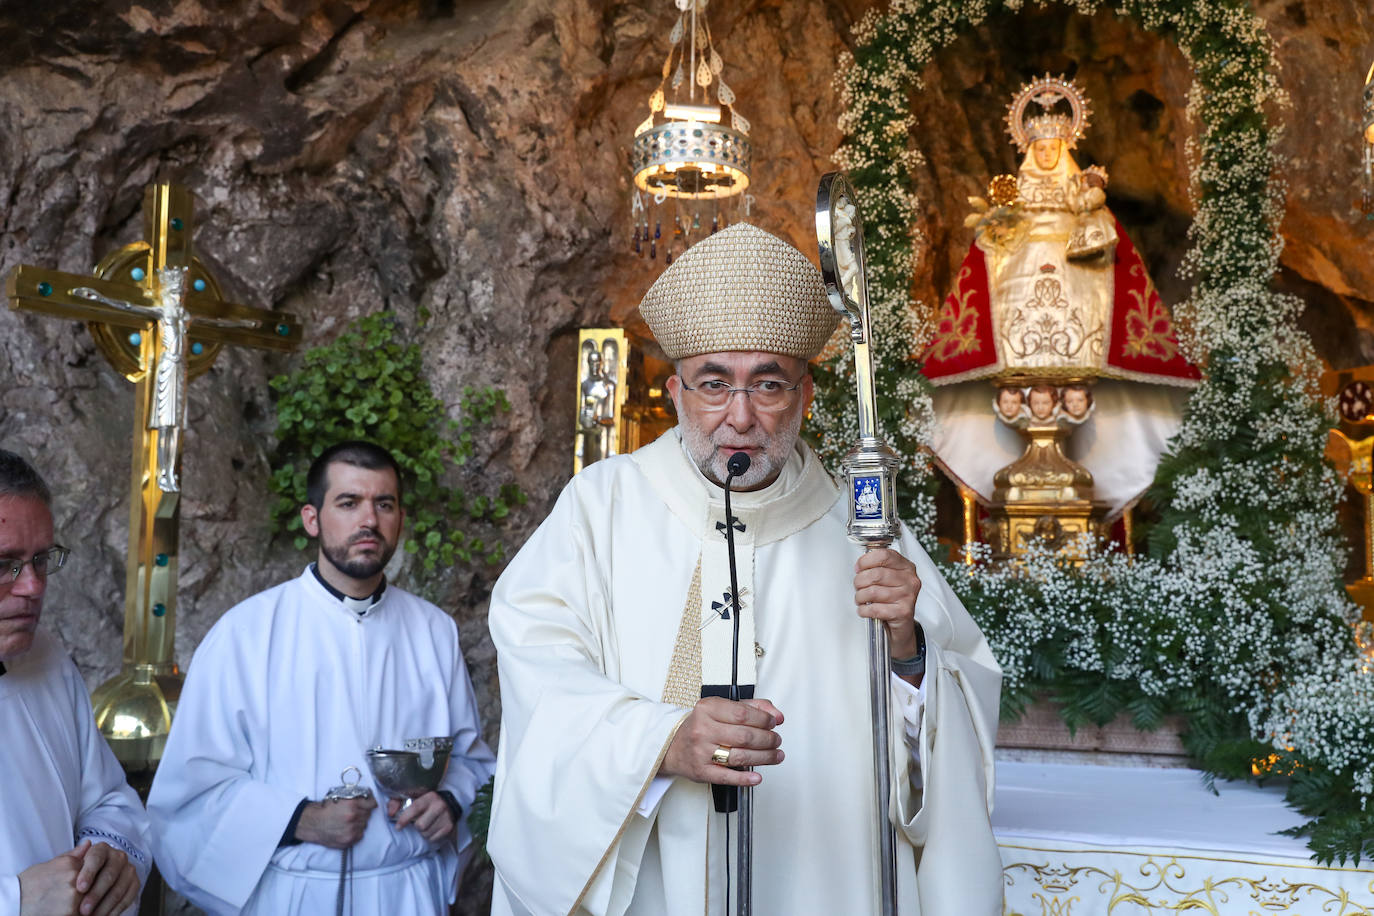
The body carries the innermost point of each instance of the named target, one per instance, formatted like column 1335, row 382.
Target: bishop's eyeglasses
column 44, row 563
column 769, row 395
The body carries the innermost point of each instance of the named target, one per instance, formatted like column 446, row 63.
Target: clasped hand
column 90, row 880
column 338, row 823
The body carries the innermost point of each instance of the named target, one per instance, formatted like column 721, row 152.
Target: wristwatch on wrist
column 916, row 665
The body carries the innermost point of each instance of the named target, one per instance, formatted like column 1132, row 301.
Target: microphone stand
column 744, row 858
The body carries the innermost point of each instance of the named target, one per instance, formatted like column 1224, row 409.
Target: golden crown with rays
column 1026, row 125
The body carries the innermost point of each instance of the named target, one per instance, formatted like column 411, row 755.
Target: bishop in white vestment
column 608, row 626
column 291, row 688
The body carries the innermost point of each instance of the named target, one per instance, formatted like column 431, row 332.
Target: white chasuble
column 287, row 690
column 62, row 784
column 594, row 623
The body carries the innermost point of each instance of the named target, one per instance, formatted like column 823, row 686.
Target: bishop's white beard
column 711, row 458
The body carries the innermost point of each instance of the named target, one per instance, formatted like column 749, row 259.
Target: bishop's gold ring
column 721, row 755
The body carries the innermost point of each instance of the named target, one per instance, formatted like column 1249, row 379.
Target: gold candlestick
column 1349, row 448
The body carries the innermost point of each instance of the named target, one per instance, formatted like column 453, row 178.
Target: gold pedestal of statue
column 1043, row 473
column 1043, row 499
column 1015, row 528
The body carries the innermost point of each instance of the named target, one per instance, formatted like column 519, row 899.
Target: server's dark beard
column 362, row 567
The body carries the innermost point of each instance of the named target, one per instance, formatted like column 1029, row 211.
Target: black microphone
column 737, row 466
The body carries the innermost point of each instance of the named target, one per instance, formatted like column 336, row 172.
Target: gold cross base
column 134, row 709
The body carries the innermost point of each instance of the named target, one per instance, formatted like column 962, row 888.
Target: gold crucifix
column 160, row 319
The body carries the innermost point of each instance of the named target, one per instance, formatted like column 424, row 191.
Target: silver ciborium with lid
column 417, row 768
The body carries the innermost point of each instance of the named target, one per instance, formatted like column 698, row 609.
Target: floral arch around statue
column 1235, row 617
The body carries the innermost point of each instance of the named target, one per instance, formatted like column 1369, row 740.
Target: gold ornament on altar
column 684, row 152
column 1350, row 448
column 602, row 367
column 621, row 404
column 159, row 317
column 1043, row 498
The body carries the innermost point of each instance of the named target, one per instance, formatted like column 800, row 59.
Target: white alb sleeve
column 911, row 701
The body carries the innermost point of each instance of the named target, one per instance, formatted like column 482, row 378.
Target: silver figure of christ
column 169, row 378
column 168, row 413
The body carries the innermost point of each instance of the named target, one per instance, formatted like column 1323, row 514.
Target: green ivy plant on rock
column 370, row 383
column 1235, row 618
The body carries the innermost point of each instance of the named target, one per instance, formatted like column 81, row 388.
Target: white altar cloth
column 1081, row 840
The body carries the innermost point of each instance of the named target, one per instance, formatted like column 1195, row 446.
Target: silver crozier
column 870, row 471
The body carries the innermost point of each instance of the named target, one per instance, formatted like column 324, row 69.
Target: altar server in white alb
column 287, row 692
column 73, row 835
column 610, row 630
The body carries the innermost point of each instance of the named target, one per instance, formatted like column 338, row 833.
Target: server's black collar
column 359, row 606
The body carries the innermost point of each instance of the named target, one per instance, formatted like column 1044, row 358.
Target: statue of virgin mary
column 1053, row 293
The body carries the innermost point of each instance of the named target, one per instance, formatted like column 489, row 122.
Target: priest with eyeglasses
column 614, row 629
column 73, row 834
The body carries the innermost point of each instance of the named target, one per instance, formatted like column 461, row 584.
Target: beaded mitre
column 740, row 289
column 1048, row 119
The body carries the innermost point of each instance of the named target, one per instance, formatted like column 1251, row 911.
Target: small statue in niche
column 596, row 413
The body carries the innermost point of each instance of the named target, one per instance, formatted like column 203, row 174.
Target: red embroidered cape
column 1142, row 344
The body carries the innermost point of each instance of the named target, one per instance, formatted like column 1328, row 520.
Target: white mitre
column 740, row 289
